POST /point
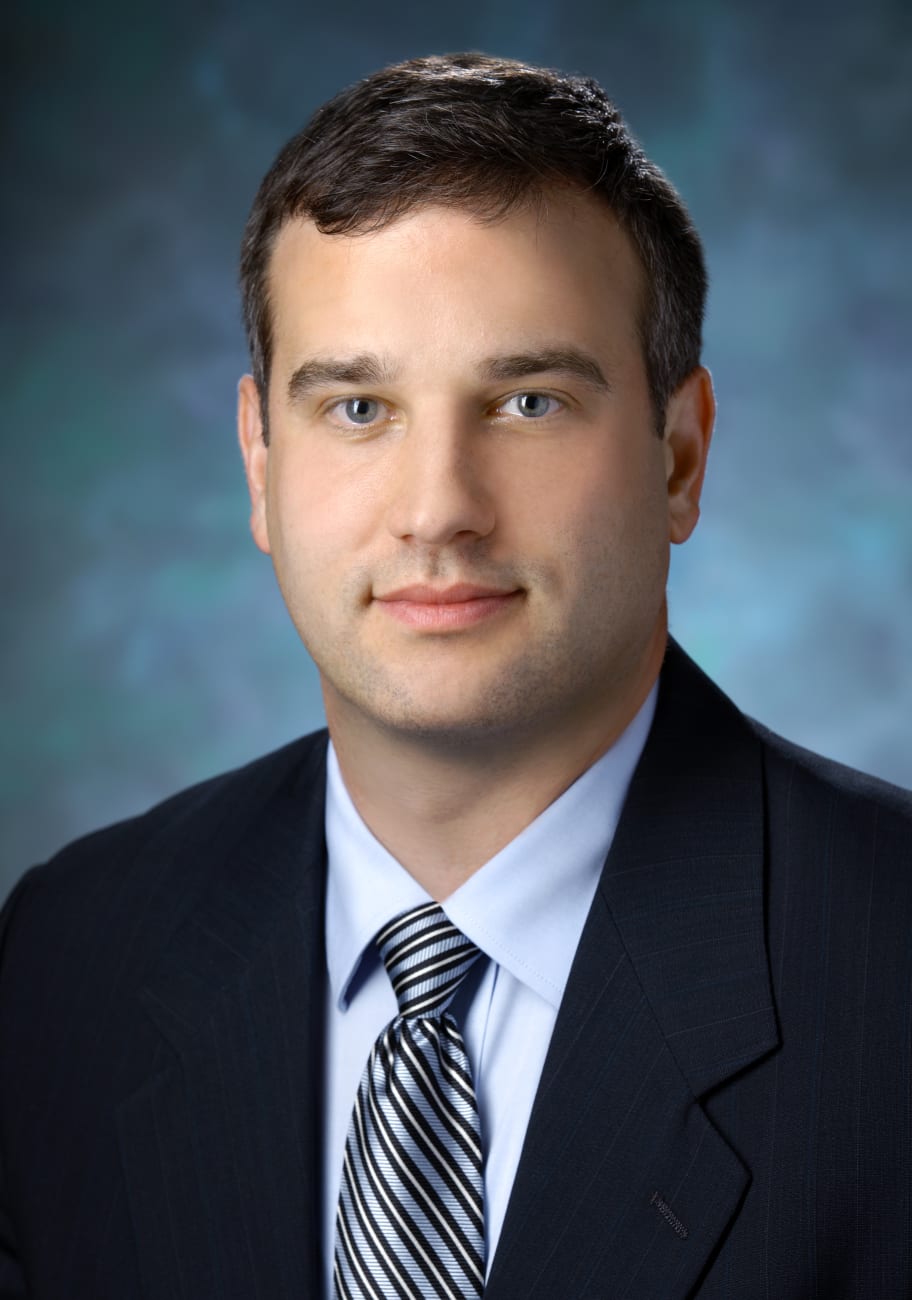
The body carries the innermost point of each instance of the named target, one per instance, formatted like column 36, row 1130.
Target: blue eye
column 361, row 410
column 532, row 406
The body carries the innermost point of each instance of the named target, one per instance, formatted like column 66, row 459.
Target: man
column 662, row 1047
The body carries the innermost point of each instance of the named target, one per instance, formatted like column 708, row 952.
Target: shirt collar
column 525, row 908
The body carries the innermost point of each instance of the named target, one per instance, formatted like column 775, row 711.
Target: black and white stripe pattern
column 410, row 1221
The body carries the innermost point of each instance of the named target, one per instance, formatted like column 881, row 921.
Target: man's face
column 464, row 496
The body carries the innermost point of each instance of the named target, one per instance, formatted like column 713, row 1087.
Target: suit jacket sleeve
column 12, row 1278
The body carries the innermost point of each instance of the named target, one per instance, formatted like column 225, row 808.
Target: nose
column 439, row 495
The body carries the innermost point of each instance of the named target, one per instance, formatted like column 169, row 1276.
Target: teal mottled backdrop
column 145, row 644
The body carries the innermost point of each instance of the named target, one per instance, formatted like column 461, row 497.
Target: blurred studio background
column 145, row 645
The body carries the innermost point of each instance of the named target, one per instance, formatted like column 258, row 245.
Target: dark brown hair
column 487, row 135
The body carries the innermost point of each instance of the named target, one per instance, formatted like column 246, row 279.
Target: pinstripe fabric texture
column 410, row 1220
column 732, row 1058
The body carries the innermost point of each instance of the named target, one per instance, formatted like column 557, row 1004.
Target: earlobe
column 255, row 452
column 689, row 422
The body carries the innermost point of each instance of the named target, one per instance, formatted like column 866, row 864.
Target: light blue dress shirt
column 525, row 909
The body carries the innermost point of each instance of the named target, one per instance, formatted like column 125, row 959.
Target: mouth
column 441, row 609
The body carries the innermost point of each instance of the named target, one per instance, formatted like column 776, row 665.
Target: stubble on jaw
column 548, row 687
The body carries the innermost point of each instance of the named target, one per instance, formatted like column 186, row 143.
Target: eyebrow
column 316, row 372
column 559, row 360
column 368, row 368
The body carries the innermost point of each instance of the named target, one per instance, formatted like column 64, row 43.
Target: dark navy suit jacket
column 725, row 1106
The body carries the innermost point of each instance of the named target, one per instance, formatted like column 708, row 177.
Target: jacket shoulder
column 162, row 859
column 199, row 805
column 819, row 778
column 842, row 830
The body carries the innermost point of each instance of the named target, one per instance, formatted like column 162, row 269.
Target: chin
column 464, row 725
column 454, row 709
column 449, row 726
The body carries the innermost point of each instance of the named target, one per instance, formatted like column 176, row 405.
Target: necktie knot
column 426, row 958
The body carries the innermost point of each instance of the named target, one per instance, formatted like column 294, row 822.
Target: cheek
column 299, row 524
column 608, row 523
column 308, row 509
column 593, row 488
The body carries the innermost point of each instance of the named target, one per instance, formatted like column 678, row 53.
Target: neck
column 444, row 809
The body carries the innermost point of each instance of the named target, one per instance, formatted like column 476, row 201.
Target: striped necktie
column 410, row 1220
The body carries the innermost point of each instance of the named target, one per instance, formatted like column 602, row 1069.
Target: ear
column 689, row 420
column 255, row 452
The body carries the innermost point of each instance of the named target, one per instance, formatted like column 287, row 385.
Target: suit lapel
column 625, row 1187
column 220, row 1147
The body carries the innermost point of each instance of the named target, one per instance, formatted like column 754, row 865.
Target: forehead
column 564, row 264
